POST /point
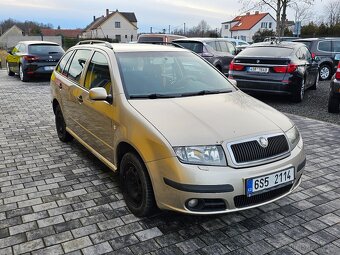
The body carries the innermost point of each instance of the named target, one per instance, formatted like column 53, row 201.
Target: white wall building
column 121, row 26
column 245, row 26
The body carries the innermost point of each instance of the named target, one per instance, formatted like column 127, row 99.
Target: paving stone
column 124, row 241
column 101, row 248
column 52, row 250
column 259, row 248
column 22, row 228
column 77, row 244
column 40, row 233
column 85, row 231
column 110, row 224
column 304, row 245
column 214, row 249
column 50, row 221
column 322, row 237
column 128, row 229
column 28, row 246
column 190, row 245
column 58, row 238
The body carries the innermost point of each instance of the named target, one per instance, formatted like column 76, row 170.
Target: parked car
column 281, row 39
column 218, row 51
column 334, row 91
column 31, row 58
column 179, row 134
column 238, row 43
column 158, row 38
column 325, row 49
column 276, row 67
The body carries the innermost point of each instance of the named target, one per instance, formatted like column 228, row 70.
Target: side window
column 299, row 54
column 77, row 65
column 98, row 73
column 325, row 46
column 61, row 66
column 212, row 45
column 16, row 49
column 231, row 47
column 308, row 54
column 223, row 46
column 21, row 48
column 336, row 46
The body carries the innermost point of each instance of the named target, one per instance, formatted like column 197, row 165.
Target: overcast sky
column 156, row 13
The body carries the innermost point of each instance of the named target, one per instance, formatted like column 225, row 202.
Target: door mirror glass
column 98, row 94
column 337, row 57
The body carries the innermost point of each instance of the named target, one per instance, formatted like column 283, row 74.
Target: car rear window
column 276, row 52
column 41, row 49
column 150, row 39
column 196, row 47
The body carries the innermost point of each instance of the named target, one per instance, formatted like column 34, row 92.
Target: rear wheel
column 325, row 72
column 60, row 124
column 333, row 103
column 136, row 185
column 22, row 74
column 9, row 72
column 298, row 92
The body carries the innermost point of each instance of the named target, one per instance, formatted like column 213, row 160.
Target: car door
column 312, row 66
column 14, row 58
column 72, row 90
column 97, row 116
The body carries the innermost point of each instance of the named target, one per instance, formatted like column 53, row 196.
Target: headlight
column 211, row 155
column 293, row 136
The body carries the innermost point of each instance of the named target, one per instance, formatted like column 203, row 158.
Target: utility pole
column 169, row 29
column 150, row 30
column 184, row 29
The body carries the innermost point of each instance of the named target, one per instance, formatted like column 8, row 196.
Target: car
column 179, row 135
column 158, row 38
column 334, row 91
column 275, row 67
column 324, row 48
column 218, row 51
column 281, row 39
column 33, row 58
column 238, row 43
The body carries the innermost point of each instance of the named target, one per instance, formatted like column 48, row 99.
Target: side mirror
column 9, row 52
column 99, row 94
column 232, row 81
column 337, row 57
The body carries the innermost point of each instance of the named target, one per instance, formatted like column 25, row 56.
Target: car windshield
column 196, row 47
column 145, row 39
column 40, row 49
column 275, row 52
column 169, row 74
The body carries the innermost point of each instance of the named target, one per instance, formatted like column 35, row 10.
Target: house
column 66, row 33
column 245, row 26
column 13, row 31
column 121, row 26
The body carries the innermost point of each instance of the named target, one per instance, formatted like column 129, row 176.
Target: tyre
column 316, row 83
column 298, row 92
column 325, row 72
column 22, row 74
column 136, row 185
column 9, row 72
column 333, row 103
column 60, row 124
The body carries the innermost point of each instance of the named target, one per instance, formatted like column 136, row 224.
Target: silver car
column 180, row 134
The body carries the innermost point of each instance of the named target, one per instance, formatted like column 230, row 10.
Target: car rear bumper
column 220, row 189
column 335, row 87
column 31, row 69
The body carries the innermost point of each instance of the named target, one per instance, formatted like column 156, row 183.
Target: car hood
column 211, row 119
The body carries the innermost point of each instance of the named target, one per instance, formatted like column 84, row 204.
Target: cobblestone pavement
column 57, row 198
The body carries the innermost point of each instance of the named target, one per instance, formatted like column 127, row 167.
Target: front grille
column 209, row 205
column 244, row 201
column 252, row 151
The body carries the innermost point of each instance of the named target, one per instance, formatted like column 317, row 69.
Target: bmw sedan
column 276, row 67
column 32, row 58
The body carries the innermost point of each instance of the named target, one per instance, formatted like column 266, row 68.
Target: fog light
column 193, row 202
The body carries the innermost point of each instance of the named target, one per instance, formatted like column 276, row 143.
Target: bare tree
column 278, row 6
column 332, row 11
column 302, row 12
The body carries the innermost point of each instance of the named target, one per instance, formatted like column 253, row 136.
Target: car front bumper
column 175, row 184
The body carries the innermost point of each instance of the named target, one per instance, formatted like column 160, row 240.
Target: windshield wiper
column 53, row 52
column 153, row 96
column 205, row 92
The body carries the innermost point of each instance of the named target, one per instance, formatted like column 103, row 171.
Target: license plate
column 256, row 69
column 49, row 68
column 268, row 182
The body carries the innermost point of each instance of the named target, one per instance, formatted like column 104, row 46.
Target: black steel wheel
column 136, row 185
column 60, row 124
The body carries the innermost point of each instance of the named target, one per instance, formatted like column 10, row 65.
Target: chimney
column 94, row 18
column 257, row 12
column 248, row 13
column 107, row 12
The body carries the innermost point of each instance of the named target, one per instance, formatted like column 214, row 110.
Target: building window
column 118, row 38
column 226, row 26
column 264, row 24
column 125, row 36
column 270, row 25
column 117, row 24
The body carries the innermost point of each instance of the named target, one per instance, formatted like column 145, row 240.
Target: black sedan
column 334, row 91
column 29, row 58
column 276, row 67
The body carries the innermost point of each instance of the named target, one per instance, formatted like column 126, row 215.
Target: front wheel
column 136, row 185
column 60, row 124
column 333, row 103
column 325, row 72
column 22, row 74
column 298, row 92
column 9, row 72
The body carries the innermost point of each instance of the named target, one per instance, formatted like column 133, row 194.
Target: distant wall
column 11, row 41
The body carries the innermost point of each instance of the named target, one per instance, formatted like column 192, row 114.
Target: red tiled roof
column 70, row 33
column 246, row 22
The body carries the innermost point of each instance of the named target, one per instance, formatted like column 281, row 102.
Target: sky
column 158, row 14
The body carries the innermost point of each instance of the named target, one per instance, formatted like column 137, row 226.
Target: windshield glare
column 168, row 73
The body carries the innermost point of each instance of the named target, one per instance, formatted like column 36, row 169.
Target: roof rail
column 107, row 44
